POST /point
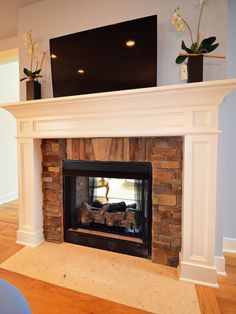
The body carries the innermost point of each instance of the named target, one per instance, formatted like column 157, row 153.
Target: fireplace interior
column 107, row 205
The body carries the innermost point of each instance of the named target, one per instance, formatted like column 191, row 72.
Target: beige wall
column 9, row 91
column 8, row 44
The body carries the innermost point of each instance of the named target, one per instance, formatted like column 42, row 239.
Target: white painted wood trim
column 220, row 265
column 30, row 193
column 199, row 207
column 229, row 245
column 198, row 274
column 8, row 197
column 162, row 111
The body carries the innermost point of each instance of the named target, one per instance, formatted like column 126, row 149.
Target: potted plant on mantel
column 35, row 53
column 197, row 50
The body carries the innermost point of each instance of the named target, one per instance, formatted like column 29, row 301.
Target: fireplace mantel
column 167, row 110
column 188, row 110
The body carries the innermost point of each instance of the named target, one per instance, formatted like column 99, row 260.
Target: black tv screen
column 114, row 57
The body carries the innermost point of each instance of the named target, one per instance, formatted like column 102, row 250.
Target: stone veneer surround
column 165, row 154
column 187, row 110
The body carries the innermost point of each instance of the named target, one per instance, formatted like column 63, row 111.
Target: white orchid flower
column 177, row 21
column 35, row 53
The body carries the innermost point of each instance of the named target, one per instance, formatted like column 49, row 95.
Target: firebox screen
column 108, row 205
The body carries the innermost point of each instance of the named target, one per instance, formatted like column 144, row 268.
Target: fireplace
column 186, row 110
column 108, row 205
column 149, row 165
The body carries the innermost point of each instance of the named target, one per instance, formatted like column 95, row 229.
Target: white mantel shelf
column 188, row 110
column 166, row 110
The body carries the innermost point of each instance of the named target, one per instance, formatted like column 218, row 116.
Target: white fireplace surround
column 188, row 110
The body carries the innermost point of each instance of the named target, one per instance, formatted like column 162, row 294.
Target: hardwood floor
column 44, row 297
column 48, row 298
column 223, row 299
column 8, row 228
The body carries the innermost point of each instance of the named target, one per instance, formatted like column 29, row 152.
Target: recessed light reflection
column 130, row 43
column 53, row 56
column 80, row 71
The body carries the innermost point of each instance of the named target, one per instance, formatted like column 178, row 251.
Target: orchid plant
column 197, row 48
column 35, row 53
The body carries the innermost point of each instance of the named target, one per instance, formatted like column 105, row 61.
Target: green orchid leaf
column 212, row 47
column 27, row 72
column 37, row 72
column 208, row 41
column 180, row 59
column 24, row 78
column 184, row 47
column 207, row 45
column 194, row 48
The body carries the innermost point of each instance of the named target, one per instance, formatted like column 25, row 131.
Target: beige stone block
column 54, row 169
column 55, row 147
column 159, row 257
column 46, row 179
column 164, row 199
column 165, row 164
column 161, row 245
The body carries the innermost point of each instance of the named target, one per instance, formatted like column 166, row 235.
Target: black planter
column 33, row 90
column 195, row 69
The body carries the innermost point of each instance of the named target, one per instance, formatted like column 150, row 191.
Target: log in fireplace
column 108, row 205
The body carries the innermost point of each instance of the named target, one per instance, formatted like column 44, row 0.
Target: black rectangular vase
column 195, row 69
column 33, row 90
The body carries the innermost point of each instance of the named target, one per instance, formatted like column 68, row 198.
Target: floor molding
column 220, row 265
column 8, row 197
column 229, row 245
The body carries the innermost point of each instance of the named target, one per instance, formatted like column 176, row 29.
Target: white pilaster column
column 199, row 204
column 30, row 231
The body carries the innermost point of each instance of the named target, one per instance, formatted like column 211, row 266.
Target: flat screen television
column 115, row 57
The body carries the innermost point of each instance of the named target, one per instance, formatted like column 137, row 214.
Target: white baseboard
column 27, row 238
column 220, row 265
column 198, row 274
column 8, row 197
column 229, row 245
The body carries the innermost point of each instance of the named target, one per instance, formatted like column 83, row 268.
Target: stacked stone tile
column 53, row 152
column 167, row 158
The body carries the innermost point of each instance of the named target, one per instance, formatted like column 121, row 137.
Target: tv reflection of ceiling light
column 130, row 43
column 53, row 56
column 81, row 71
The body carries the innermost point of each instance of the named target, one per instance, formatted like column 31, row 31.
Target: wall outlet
column 183, row 72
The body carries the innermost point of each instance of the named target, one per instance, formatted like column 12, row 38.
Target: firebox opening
column 107, row 205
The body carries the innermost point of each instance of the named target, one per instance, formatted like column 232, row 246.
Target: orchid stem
column 40, row 67
column 198, row 27
column 191, row 35
column 31, row 59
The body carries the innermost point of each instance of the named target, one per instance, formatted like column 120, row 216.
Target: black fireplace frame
column 132, row 170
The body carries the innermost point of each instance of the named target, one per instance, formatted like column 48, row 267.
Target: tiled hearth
column 165, row 155
column 187, row 110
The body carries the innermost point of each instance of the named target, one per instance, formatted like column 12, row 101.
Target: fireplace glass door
column 108, row 205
